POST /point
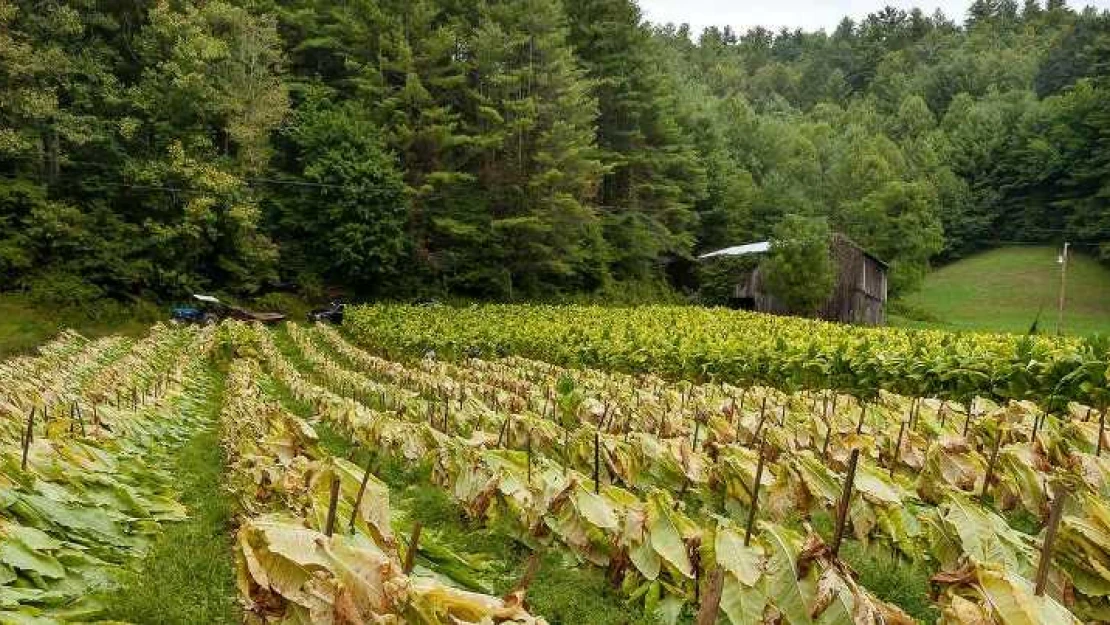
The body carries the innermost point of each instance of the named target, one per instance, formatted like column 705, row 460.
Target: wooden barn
column 859, row 295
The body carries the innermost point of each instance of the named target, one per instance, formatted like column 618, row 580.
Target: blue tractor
column 210, row 310
column 205, row 312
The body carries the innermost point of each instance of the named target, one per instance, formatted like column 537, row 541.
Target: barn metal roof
column 739, row 250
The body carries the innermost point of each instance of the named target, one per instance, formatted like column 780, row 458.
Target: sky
column 804, row 14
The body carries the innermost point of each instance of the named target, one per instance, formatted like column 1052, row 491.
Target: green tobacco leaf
column 742, row 604
column 666, row 540
column 986, row 537
column 18, row 555
column 1014, row 603
column 744, row 563
column 784, row 587
column 596, row 510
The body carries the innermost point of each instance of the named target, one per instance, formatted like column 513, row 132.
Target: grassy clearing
column 1004, row 290
column 24, row 325
column 188, row 576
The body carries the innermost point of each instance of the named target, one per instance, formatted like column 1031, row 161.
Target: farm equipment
column 210, row 310
column 332, row 313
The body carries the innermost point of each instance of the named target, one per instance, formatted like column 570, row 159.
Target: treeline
column 524, row 148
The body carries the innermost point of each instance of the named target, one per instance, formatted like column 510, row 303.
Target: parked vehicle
column 332, row 313
column 209, row 309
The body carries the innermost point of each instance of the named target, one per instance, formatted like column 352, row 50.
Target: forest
column 530, row 149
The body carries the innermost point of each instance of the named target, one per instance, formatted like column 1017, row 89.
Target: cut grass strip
column 188, row 576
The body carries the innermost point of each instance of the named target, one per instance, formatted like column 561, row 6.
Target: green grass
column 894, row 580
column 24, row 325
column 1004, row 289
column 188, row 576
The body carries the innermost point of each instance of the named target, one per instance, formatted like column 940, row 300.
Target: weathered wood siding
column 859, row 295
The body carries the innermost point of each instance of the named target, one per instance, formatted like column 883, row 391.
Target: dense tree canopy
column 502, row 149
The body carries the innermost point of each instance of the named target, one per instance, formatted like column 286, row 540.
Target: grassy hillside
column 25, row 324
column 1004, row 289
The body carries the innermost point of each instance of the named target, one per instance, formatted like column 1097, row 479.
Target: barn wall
column 859, row 295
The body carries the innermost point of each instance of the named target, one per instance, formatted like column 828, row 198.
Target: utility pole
column 1063, row 285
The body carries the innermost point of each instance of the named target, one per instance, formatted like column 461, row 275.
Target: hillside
column 1004, row 289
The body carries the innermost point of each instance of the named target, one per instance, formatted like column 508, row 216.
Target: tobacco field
column 536, row 464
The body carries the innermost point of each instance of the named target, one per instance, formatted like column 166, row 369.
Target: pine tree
column 654, row 177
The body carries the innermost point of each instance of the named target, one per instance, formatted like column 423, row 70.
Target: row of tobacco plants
column 749, row 348
column 88, row 431
column 701, row 499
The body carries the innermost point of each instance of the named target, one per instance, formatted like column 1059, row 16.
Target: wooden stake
column 990, row 468
column 759, row 425
column 1101, row 431
column 897, row 449
column 530, row 571
column 28, row 436
column 414, row 545
column 755, row 492
column 80, row 417
column 530, row 456
column 504, row 429
column 358, row 498
column 597, row 461
column 862, row 416
column 845, row 501
column 828, row 437
column 1054, row 517
column 333, row 502
column 711, row 605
